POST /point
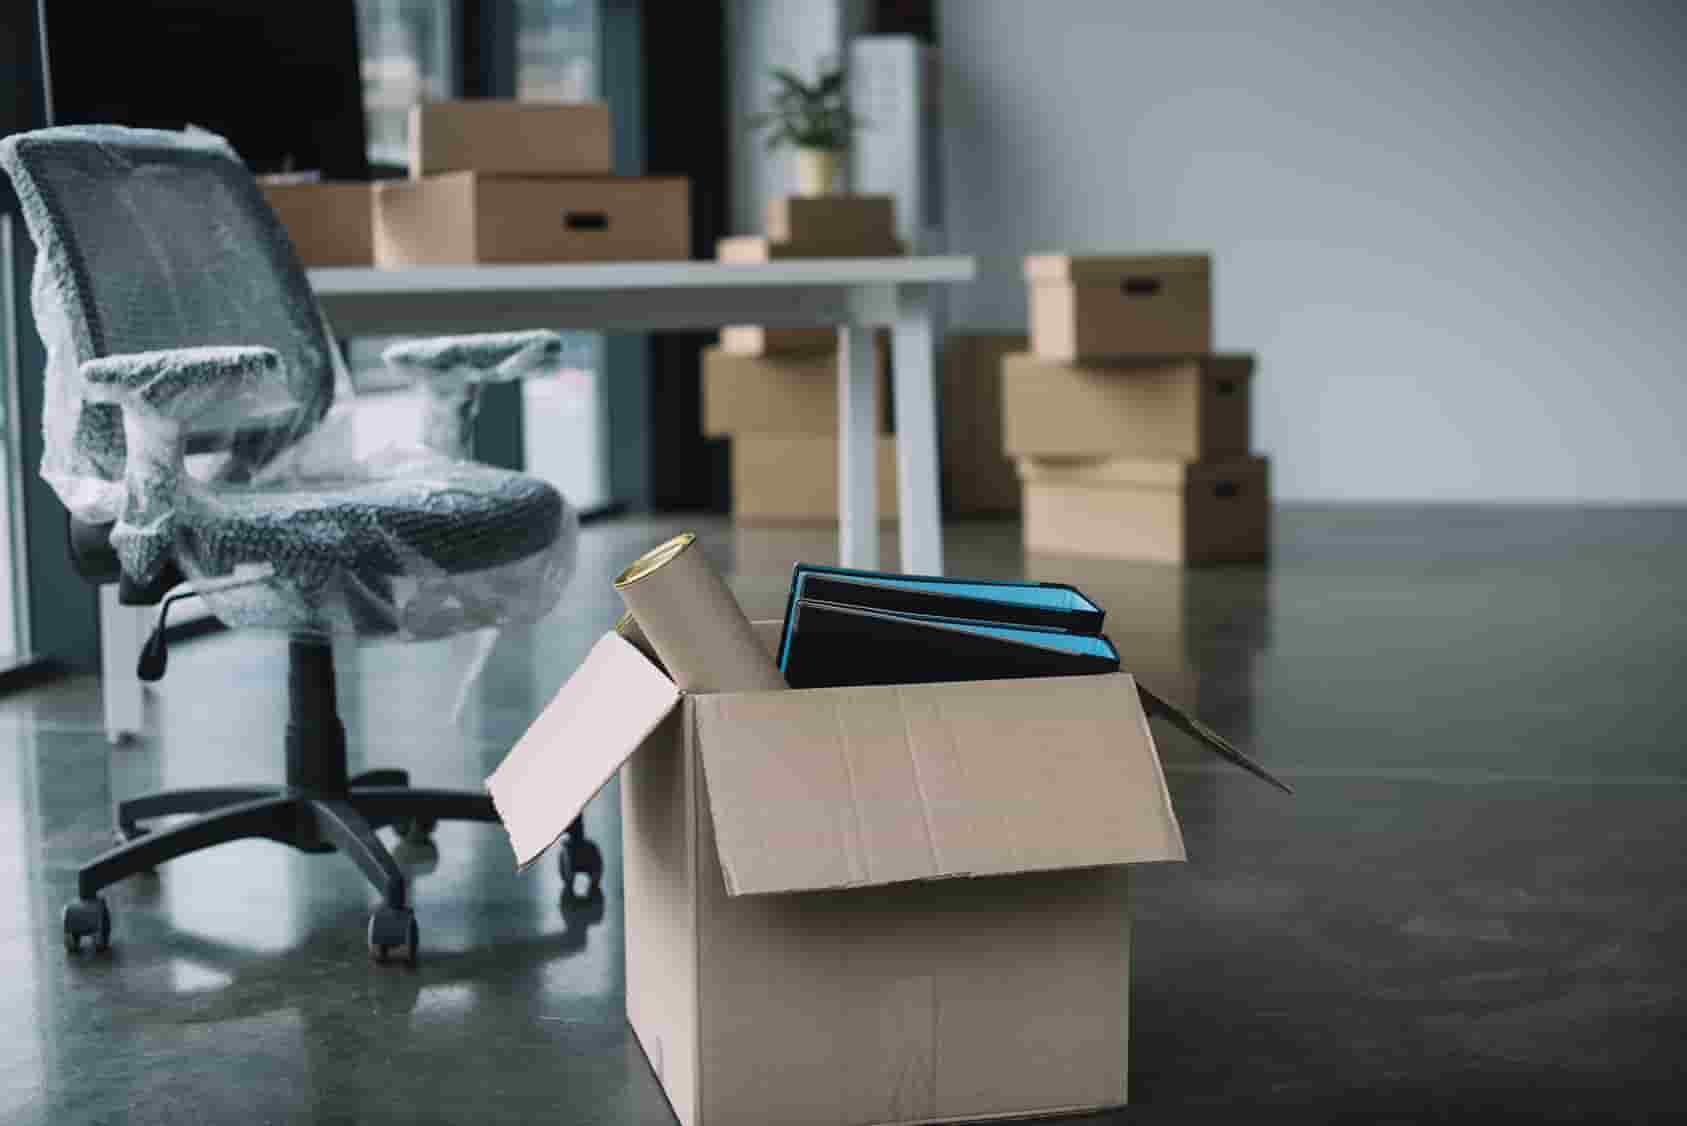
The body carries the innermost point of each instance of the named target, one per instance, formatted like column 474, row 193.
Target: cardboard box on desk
column 1155, row 511
column 902, row 904
column 832, row 226
column 779, row 394
column 1184, row 409
column 1116, row 306
column 793, row 478
column 463, row 218
column 329, row 222
column 510, row 138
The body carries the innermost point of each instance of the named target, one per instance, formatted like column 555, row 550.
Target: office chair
column 195, row 429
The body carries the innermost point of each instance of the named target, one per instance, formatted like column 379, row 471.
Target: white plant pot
column 817, row 170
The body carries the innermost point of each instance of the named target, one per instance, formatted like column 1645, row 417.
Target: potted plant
column 815, row 120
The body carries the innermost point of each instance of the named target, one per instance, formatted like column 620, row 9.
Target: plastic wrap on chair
column 451, row 370
column 155, row 242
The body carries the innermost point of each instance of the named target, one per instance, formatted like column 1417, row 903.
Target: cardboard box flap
column 851, row 787
column 1103, row 269
column 595, row 721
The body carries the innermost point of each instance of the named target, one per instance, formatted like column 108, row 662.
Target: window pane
column 407, row 56
column 563, row 414
column 556, row 50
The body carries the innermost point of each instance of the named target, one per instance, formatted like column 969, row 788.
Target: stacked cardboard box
column 501, row 181
column 978, row 479
column 329, row 222
column 1131, row 437
column 773, row 390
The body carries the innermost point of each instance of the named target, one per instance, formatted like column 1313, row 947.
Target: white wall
column 761, row 34
column 1453, row 232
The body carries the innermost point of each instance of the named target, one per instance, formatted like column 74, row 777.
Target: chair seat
column 442, row 517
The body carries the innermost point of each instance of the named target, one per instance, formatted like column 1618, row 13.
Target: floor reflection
column 1476, row 888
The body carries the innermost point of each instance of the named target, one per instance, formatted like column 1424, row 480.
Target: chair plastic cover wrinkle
column 177, row 320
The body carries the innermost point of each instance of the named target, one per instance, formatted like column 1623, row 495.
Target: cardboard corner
column 596, row 720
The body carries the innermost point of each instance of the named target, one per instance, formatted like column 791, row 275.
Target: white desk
column 856, row 294
column 859, row 295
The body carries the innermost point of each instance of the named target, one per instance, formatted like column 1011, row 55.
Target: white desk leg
column 914, row 368
column 858, row 434
column 123, row 631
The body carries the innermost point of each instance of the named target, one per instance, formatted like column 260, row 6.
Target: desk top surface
column 602, row 276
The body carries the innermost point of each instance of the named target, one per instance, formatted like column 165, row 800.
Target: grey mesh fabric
column 178, row 321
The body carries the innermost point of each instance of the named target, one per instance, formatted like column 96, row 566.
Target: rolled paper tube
column 632, row 635
column 691, row 620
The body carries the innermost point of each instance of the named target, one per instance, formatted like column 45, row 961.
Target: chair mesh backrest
column 151, row 240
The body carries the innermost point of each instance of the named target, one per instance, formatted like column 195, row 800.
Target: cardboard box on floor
column 860, row 905
column 780, row 394
column 461, row 218
column 510, row 138
column 1114, row 306
column 978, row 479
column 330, row 223
column 793, row 478
column 1154, row 511
column 1185, row 409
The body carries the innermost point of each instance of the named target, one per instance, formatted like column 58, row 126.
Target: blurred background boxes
column 793, row 479
column 1154, row 510
column 461, row 218
column 1116, row 306
column 509, row 138
column 1131, row 438
column 497, row 181
column 834, row 226
column 978, row 478
column 1186, row 409
column 778, row 340
column 778, row 394
column 329, row 222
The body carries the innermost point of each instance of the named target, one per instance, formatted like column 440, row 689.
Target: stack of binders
column 772, row 389
column 849, row 628
column 1130, row 435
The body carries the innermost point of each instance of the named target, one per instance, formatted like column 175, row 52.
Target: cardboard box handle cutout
column 1140, row 287
column 585, row 220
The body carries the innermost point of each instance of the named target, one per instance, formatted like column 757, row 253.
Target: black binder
column 1050, row 606
column 830, row 646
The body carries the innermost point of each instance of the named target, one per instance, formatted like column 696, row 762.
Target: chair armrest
column 163, row 395
column 452, row 369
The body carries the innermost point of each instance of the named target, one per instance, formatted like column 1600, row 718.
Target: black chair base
column 320, row 809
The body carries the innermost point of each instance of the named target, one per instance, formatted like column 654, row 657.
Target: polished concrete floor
column 1475, row 903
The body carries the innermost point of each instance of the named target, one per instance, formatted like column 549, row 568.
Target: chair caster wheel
column 417, row 831
column 393, row 934
column 580, row 858
column 87, row 918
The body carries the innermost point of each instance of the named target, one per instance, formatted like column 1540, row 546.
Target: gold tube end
column 653, row 560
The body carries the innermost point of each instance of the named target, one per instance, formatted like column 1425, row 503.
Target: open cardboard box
column 862, row 905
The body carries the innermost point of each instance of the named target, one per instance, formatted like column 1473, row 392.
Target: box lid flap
column 596, row 720
column 1111, row 267
column 848, row 787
